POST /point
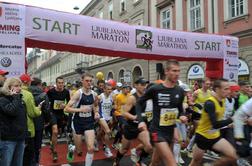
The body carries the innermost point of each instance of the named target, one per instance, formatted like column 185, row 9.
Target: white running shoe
column 181, row 161
column 134, row 156
column 108, row 153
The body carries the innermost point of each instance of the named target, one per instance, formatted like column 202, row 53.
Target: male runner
column 167, row 107
column 58, row 98
column 131, row 130
column 84, row 105
column 105, row 121
column 119, row 105
column 208, row 135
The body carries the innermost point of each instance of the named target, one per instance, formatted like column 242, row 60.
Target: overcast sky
column 61, row 5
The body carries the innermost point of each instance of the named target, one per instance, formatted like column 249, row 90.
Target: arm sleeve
column 140, row 103
column 210, row 109
column 180, row 107
column 32, row 110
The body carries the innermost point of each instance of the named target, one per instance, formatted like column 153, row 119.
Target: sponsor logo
column 228, row 63
column 232, row 53
column 231, row 75
column 6, row 62
column 14, row 73
column 232, row 43
column 9, row 29
column 10, row 46
column 110, row 34
column 196, row 69
column 228, row 43
column 144, row 39
column 1, row 11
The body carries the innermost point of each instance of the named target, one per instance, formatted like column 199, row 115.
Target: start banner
column 65, row 28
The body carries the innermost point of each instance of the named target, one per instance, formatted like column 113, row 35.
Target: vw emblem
column 196, row 69
column 6, row 61
column 231, row 75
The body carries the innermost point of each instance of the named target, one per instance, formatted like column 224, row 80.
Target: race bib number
column 85, row 114
column 148, row 116
column 106, row 108
column 168, row 116
column 57, row 104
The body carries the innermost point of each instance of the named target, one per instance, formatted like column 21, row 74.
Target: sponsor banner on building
column 65, row 28
column 195, row 72
column 12, row 39
column 231, row 58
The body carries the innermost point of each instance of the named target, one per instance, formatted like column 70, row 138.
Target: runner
column 131, row 130
column 58, row 98
column 167, row 106
column 106, row 119
column 199, row 98
column 85, row 113
column 242, row 117
column 208, row 131
column 120, row 101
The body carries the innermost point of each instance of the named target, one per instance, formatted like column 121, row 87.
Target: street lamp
column 81, row 67
column 76, row 8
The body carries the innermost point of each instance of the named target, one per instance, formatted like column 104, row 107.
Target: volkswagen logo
column 196, row 69
column 6, row 61
column 231, row 75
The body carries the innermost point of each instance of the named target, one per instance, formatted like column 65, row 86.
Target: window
column 122, row 6
column 195, row 14
column 137, row 73
column 121, row 76
column 100, row 14
column 110, row 76
column 165, row 18
column 236, row 8
column 111, row 11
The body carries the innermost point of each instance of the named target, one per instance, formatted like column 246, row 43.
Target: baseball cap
column 234, row 88
column 119, row 84
column 125, row 86
column 141, row 81
column 4, row 72
column 25, row 78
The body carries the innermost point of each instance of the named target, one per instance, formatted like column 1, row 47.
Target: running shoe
column 108, row 153
column 70, row 153
column 181, row 161
column 115, row 162
column 134, row 156
column 243, row 162
column 212, row 154
column 116, row 146
column 96, row 147
column 55, row 156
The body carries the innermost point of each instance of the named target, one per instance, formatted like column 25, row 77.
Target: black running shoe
column 55, row 156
